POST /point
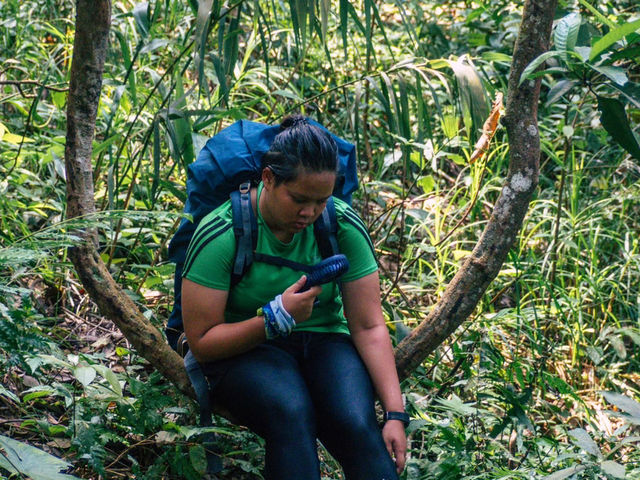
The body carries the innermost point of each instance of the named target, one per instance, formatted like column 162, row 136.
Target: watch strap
column 402, row 416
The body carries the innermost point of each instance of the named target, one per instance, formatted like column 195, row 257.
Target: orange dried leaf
column 488, row 129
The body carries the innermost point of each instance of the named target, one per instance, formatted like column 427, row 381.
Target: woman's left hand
column 396, row 441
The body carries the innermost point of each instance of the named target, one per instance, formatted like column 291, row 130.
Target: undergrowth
column 540, row 382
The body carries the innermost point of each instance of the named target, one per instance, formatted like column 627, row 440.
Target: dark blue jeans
column 291, row 391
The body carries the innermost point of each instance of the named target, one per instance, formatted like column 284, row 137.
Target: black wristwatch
column 402, row 416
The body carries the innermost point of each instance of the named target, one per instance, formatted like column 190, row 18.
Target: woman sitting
column 310, row 366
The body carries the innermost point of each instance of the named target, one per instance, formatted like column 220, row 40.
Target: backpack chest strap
column 245, row 229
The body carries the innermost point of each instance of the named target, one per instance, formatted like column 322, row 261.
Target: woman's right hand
column 300, row 304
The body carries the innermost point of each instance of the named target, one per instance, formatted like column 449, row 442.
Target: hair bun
column 294, row 121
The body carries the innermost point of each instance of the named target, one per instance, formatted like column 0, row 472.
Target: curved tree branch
column 93, row 19
column 467, row 287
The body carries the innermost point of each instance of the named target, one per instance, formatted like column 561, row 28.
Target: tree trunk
column 461, row 296
column 478, row 270
column 93, row 18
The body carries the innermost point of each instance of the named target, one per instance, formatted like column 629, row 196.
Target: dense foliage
column 542, row 381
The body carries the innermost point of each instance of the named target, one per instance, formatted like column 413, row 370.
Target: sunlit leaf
column 612, row 37
column 616, row 74
column 565, row 473
column 15, row 139
column 141, row 16
column 583, row 440
column 85, row 375
column 623, row 402
column 566, row 32
column 613, row 468
column 475, row 106
column 427, row 183
column 539, row 60
column 21, row 459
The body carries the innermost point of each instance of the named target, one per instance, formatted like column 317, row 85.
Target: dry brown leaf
column 488, row 129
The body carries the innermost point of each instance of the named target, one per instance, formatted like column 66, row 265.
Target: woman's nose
column 308, row 210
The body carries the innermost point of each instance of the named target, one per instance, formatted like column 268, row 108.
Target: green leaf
column 111, row 377
column 559, row 89
column 612, row 37
column 38, row 392
column 616, row 74
column 198, row 459
column 614, row 120
column 475, row 107
column 565, row 472
column 583, row 52
column 539, row 60
column 496, row 57
column 9, row 394
column 85, row 375
column 449, row 125
column 21, row 459
column 565, row 35
column 325, row 8
column 597, row 13
column 613, row 468
column 141, row 16
column 427, row 183
column 344, row 26
column 15, row 139
column 630, row 91
column 583, row 440
column 623, row 402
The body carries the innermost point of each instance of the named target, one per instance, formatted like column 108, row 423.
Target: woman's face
column 292, row 206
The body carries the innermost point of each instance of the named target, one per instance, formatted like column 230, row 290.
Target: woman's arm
column 210, row 338
column 371, row 338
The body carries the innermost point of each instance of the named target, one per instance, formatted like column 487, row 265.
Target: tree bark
column 90, row 46
column 478, row 270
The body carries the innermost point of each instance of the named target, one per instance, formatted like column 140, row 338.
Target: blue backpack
column 223, row 169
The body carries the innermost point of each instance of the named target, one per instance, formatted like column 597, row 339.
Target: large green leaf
column 597, row 13
column 566, row 32
column 565, row 472
column 141, row 16
column 536, row 62
column 475, row 107
column 623, row 402
column 583, row 440
column 631, row 92
column 22, row 459
column 559, row 89
column 202, row 24
column 613, row 469
column 615, row 122
column 615, row 74
column 612, row 37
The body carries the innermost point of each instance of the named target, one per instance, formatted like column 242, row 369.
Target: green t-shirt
column 212, row 250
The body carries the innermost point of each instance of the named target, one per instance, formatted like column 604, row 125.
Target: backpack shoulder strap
column 325, row 230
column 245, row 229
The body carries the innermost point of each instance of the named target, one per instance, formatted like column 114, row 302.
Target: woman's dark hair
column 300, row 145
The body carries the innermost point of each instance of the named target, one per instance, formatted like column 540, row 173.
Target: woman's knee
column 357, row 428
column 291, row 413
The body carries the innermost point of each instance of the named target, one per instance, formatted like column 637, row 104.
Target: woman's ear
column 268, row 178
